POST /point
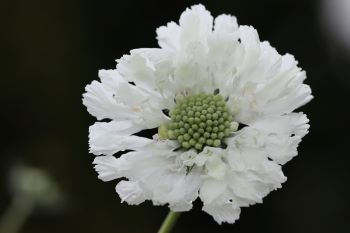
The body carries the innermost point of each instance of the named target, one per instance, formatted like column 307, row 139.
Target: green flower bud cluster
column 200, row 120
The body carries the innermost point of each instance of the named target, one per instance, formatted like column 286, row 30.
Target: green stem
column 169, row 222
column 15, row 215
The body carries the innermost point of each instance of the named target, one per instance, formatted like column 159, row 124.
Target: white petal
column 115, row 98
column 107, row 167
column 276, row 136
column 188, row 158
column 130, row 192
column 196, row 24
column 242, row 187
column 106, row 99
column 150, row 70
column 252, row 175
column 109, row 138
column 216, row 168
column 190, row 41
column 211, row 189
column 245, row 158
column 282, row 148
column 101, row 104
column 201, row 159
column 176, row 188
column 267, row 65
column 186, row 192
column 169, row 36
column 285, row 91
column 281, row 135
column 181, row 206
column 153, row 170
column 191, row 69
column 254, row 186
column 223, row 212
column 225, row 53
column 268, row 83
column 190, row 63
column 226, row 23
column 293, row 123
column 110, row 79
column 146, row 68
column 251, row 44
column 155, row 179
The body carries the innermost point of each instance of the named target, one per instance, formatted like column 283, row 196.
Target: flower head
column 33, row 185
column 222, row 103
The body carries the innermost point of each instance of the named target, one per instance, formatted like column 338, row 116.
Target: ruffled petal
column 150, row 70
column 269, row 84
column 131, row 192
column 224, row 53
column 152, row 169
column 282, row 148
column 285, row 91
column 251, row 45
column 187, row 190
column 107, row 167
column 211, row 189
column 252, row 186
column 117, row 99
column 283, row 135
column 216, row 168
column 196, row 24
column 99, row 98
column 222, row 212
column 249, row 177
column 109, row 138
column 169, row 36
column 225, row 23
column 293, row 123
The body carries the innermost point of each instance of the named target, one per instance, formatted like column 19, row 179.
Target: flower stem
column 169, row 222
column 15, row 215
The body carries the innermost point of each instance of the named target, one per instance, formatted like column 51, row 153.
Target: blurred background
column 50, row 50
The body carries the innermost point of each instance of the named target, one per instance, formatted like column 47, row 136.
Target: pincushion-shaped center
column 199, row 120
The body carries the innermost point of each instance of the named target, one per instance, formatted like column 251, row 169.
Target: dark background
column 51, row 49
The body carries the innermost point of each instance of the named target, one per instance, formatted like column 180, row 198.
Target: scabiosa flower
column 222, row 103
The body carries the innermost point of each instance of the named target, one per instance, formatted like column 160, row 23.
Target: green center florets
column 199, row 120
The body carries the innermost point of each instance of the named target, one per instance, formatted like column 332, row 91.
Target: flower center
column 199, row 120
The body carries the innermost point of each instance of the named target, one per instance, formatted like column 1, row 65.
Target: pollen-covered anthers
column 199, row 120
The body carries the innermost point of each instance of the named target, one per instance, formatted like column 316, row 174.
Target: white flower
column 212, row 77
column 30, row 184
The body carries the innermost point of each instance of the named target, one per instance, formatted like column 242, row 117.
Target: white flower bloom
column 211, row 77
column 33, row 185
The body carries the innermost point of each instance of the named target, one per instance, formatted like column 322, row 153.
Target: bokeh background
column 51, row 49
